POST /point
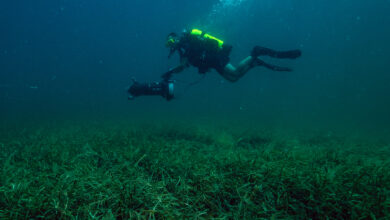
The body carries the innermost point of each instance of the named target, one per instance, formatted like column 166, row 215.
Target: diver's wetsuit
column 206, row 54
column 203, row 53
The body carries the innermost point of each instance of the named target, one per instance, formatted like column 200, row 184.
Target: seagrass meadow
column 178, row 171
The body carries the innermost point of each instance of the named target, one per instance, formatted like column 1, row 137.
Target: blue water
column 72, row 60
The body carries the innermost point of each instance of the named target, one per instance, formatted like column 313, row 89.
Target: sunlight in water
column 222, row 10
column 230, row 3
column 223, row 6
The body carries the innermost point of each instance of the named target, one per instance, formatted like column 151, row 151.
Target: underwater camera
column 163, row 88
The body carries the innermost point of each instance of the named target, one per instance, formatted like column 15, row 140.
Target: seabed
column 193, row 172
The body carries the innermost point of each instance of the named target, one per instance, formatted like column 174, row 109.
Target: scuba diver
column 200, row 49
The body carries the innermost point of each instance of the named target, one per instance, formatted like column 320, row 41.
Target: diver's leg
column 289, row 54
column 233, row 74
column 229, row 73
column 250, row 62
column 272, row 67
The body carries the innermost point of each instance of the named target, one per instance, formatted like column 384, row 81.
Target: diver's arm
column 177, row 69
column 183, row 64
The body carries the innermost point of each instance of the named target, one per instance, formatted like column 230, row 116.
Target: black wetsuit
column 203, row 53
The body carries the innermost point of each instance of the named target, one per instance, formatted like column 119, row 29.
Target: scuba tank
column 197, row 32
